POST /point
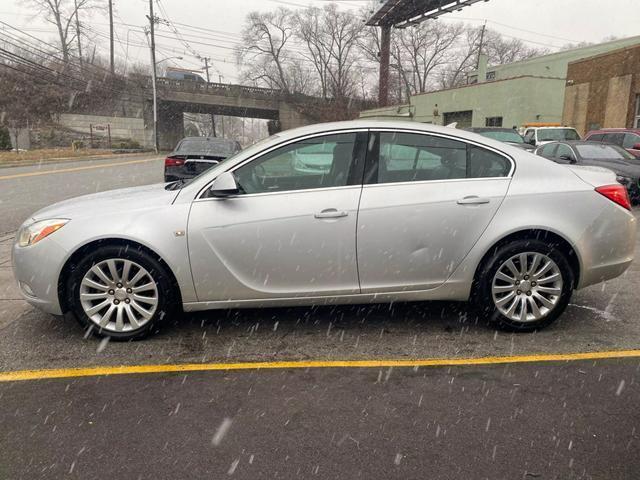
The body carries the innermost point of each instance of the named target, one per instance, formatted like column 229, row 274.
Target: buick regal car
column 404, row 212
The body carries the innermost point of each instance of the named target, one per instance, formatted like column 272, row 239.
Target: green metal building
column 529, row 91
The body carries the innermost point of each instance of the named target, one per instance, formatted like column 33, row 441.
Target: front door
column 425, row 203
column 290, row 231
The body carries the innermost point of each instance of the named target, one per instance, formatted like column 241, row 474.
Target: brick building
column 603, row 91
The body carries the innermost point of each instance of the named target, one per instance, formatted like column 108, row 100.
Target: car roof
column 490, row 129
column 550, row 128
column 578, row 142
column 615, row 130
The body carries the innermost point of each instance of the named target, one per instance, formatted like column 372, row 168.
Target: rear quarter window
column 484, row 163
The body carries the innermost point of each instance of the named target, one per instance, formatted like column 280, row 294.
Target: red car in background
column 627, row 138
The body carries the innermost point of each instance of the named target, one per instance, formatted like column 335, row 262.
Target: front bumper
column 37, row 270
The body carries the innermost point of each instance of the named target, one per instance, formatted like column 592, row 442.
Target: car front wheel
column 525, row 285
column 121, row 292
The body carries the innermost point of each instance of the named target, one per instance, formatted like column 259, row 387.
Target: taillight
column 616, row 193
column 173, row 162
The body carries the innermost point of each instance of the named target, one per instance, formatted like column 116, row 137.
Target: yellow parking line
column 75, row 169
column 23, row 375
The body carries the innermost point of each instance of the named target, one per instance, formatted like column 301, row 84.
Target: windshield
column 502, row 136
column 556, row 134
column 603, row 152
column 206, row 146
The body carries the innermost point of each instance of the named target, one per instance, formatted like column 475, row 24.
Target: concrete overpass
column 177, row 96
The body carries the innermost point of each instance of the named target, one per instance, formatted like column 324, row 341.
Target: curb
column 47, row 161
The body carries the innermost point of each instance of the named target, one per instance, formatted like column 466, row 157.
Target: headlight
column 35, row 232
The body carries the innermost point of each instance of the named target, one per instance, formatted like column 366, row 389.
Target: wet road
column 329, row 423
column 576, row 420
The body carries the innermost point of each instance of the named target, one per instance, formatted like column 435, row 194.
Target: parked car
column 194, row 155
column 626, row 138
column 506, row 135
column 617, row 159
column 540, row 135
column 469, row 219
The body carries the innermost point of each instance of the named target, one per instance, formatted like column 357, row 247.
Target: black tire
column 482, row 297
column 168, row 297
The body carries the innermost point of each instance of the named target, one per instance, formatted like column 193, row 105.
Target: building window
column 493, row 121
column 636, row 120
column 491, row 75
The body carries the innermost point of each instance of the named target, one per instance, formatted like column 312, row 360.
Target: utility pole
column 78, row 35
column 484, row 28
column 385, row 53
column 110, row 35
column 206, row 67
column 152, row 44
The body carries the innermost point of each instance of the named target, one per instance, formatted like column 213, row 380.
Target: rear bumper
column 608, row 246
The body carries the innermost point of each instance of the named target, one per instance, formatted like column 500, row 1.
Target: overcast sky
column 541, row 23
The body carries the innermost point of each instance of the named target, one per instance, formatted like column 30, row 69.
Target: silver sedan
column 395, row 212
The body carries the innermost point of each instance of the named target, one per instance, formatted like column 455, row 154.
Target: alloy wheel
column 118, row 295
column 527, row 287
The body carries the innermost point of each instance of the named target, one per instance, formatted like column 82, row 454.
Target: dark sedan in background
column 506, row 135
column 194, row 155
column 625, row 165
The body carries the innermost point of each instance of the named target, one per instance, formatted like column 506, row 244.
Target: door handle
column 331, row 213
column 473, row 200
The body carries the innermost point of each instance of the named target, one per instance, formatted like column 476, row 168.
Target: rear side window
column 630, row 140
column 596, row 137
column 409, row 157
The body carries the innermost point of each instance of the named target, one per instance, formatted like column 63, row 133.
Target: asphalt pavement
column 538, row 419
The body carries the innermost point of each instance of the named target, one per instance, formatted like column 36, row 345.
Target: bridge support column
column 290, row 118
column 170, row 125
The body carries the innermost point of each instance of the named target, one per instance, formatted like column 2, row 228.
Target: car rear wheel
column 121, row 292
column 525, row 285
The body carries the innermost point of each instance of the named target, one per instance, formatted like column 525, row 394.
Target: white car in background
column 537, row 136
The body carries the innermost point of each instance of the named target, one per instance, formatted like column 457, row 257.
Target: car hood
column 96, row 204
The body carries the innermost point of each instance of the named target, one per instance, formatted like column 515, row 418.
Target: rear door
column 426, row 201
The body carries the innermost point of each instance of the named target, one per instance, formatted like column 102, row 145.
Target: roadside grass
column 15, row 158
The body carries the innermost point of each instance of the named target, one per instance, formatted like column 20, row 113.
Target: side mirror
column 224, row 186
column 532, row 141
column 567, row 158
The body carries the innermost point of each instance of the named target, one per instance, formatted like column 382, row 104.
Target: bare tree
column 343, row 32
column 62, row 14
column 266, row 39
column 498, row 49
column 419, row 52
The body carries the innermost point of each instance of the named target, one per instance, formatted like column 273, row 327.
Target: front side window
column 596, row 137
column 615, row 138
column 409, row 157
column 318, row 162
column 548, row 150
column 564, row 152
